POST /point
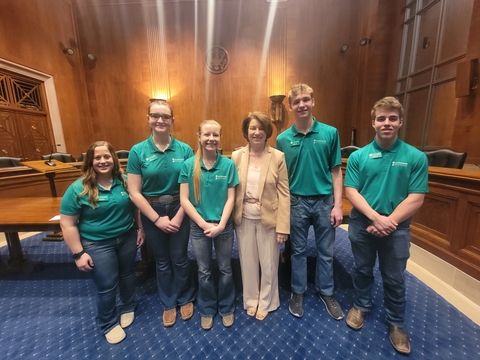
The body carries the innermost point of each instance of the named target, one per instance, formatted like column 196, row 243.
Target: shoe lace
column 296, row 299
column 333, row 302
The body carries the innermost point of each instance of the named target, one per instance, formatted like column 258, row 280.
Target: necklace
column 107, row 185
column 209, row 163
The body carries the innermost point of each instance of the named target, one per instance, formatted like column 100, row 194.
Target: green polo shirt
column 159, row 169
column 310, row 158
column 386, row 177
column 214, row 185
column 112, row 218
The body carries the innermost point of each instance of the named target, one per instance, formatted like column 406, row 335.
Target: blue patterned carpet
column 50, row 314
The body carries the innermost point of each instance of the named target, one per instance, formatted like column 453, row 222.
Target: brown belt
column 251, row 201
column 163, row 199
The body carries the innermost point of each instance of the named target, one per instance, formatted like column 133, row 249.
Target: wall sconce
column 69, row 51
column 92, row 57
column 276, row 108
column 365, row 41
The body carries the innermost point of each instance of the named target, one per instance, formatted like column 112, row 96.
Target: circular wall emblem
column 216, row 60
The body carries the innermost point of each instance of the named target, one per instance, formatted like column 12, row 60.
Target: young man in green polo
column 386, row 182
column 312, row 154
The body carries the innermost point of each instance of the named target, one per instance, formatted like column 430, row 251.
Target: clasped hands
column 212, row 229
column 382, row 226
column 168, row 225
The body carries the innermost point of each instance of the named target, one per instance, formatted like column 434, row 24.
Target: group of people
column 263, row 194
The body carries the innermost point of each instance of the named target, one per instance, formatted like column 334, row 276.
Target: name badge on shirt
column 102, row 198
column 375, row 155
column 151, row 158
column 295, row 143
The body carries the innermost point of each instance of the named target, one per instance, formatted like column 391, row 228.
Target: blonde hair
column 298, row 89
column 197, row 171
column 89, row 179
column 388, row 102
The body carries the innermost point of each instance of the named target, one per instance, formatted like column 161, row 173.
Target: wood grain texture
column 34, row 35
column 448, row 224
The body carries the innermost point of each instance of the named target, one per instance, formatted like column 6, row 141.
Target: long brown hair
column 89, row 179
column 197, row 172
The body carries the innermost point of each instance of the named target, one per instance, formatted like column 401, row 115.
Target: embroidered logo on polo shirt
column 399, row 163
column 178, row 160
column 220, row 177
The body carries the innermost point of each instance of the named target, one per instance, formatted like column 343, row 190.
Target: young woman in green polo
column 98, row 224
column 153, row 169
column 207, row 193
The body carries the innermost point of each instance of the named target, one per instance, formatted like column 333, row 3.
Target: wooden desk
column 24, row 215
column 41, row 166
column 16, row 170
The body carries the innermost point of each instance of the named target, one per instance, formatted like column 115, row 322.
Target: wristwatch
column 78, row 255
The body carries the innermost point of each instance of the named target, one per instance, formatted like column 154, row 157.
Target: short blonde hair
column 388, row 102
column 297, row 89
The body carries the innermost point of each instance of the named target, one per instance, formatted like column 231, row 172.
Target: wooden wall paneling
column 197, row 94
column 53, row 31
column 470, row 246
column 467, row 127
column 314, row 39
column 437, row 215
column 426, row 45
column 118, row 83
column 454, row 35
column 34, row 185
column 415, row 114
column 447, row 225
column 377, row 62
column 442, row 113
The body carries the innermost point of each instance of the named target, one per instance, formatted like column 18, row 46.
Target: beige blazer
column 273, row 189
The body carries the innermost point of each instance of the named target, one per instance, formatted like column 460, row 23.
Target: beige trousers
column 258, row 250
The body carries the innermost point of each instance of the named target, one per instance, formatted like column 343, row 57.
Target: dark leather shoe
column 356, row 318
column 399, row 339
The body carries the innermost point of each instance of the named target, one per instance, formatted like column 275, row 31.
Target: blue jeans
column 174, row 279
column 114, row 266
column 209, row 299
column 306, row 211
column 393, row 252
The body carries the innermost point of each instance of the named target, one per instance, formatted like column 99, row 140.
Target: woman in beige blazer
column 261, row 214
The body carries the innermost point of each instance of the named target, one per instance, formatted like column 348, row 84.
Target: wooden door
column 25, row 127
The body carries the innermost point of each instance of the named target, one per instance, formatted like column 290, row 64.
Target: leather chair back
column 6, row 161
column 446, row 158
column 60, row 157
column 122, row 154
column 348, row 150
